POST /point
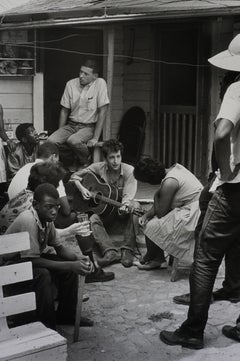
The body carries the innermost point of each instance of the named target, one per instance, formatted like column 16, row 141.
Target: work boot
column 222, row 295
column 99, row 276
column 127, row 258
column 178, row 338
column 184, row 299
column 231, row 332
column 110, row 257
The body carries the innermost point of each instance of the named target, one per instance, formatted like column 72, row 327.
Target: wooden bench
column 32, row 341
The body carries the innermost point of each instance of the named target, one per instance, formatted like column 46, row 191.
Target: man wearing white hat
column 220, row 234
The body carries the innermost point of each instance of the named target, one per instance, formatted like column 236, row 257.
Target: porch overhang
column 45, row 13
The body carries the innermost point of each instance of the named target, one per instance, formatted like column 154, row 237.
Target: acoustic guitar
column 104, row 197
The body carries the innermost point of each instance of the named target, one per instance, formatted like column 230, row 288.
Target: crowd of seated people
column 40, row 203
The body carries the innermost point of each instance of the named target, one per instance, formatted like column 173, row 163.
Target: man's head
column 46, row 202
column 44, row 172
column 27, row 134
column 88, row 72
column 112, row 151
column 48, row 152
column 149, row 171
column 230, row 58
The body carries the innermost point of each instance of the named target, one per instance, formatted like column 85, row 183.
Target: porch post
column 110, row 38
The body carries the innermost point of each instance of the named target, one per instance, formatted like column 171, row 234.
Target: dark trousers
column 42, row 284
column 219, row 237
column 231, row 283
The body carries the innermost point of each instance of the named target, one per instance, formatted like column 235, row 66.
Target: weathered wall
column 16, row 97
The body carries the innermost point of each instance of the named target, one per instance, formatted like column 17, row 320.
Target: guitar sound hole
column 97, row 198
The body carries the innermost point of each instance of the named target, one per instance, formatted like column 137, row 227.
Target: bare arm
column 222, row 148
column 164, row 197
column 102, row 114
column 63, row 116
column 78, row 266
column 65, row 207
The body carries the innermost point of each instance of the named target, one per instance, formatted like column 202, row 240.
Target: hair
column 149, row 171
column 44, row 172
column 43, row 190
column 111, row 146
column 46, row 150
column 21, row 130
column 90, row 63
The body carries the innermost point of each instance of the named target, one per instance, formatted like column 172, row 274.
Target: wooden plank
column 15, row 86
column 15, row 242
column 33, row 342
column 38, row 108
column 110, row 69
column 17, row 304
column 15, row 273
column 81, row 282
column 17, row 116
column 53, row 353
column 16, row 101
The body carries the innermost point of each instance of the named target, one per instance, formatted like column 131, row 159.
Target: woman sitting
column 169, row 225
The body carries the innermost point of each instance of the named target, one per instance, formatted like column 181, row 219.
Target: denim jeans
column 219, row 237
column 101, row 236
column 75, row 136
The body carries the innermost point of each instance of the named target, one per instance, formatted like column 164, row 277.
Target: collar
column 86, row 87
column 121, row 168
column 39, row 224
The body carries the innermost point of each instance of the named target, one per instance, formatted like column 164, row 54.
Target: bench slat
column 15, row 242
column 17, row 304
column 36, row 340
column 15, row 273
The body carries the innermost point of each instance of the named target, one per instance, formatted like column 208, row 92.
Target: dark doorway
column 62, row 51
column 178, row 90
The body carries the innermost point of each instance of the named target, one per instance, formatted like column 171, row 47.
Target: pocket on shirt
column 91, row 104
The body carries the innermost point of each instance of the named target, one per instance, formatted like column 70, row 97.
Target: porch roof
column 36, row 13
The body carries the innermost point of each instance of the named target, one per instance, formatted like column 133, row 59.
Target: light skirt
column 174, row 233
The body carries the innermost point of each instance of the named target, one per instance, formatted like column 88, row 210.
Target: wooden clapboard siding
column 16, row 97
column 138, row 78
column 117, row 89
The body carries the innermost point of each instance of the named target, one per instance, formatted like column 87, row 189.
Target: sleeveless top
column 189, row 186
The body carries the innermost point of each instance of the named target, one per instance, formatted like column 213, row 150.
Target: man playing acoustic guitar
column 118, row 175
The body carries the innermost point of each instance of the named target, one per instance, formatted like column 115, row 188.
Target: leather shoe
column 154, row 264
column 231, row 332
column 84, row 321
column 177, row 338
column 127, row 258
column 99, row 276
column 184, row 299
column 110, row 257
column 222, row 295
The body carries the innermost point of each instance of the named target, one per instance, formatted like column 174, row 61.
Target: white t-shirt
column 230, row 109
column 20, row 181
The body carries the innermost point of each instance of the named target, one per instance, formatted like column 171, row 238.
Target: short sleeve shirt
column 84, row 102
column 20, row 181
column 230, row 109
column 40, row 237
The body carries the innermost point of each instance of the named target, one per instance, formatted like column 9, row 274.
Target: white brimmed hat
column 228, row 59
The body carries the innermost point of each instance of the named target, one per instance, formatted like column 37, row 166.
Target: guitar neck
column 106, row 200
column 137, row 212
